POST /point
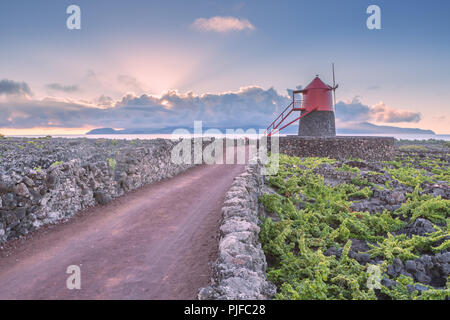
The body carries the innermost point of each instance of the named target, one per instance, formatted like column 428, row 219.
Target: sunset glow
column 210, row 49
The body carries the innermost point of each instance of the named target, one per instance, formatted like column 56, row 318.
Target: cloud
column 10, row 87
column 222, row 24
column 105, row 101
column 383, row 113
column 290, row 91
column 352, row 111
column 356, row 111
column 62, row 88
column 248, row 106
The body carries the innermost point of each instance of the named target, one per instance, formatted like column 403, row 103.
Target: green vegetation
column 416, row 166
column 413, row 171
column 38, row 169
column 315, row 217
column 35, row 143
column 56, row 163
column 401, row 292
column 111, row 163
column 406, row 248
column 408, row 175
column 412, row 144
column 348, row 168
column 425, row 206
column 412, row 148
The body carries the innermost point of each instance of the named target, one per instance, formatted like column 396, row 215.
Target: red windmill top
column 317, row 84
column 317, row 96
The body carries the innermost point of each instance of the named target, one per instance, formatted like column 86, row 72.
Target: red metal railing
column 293, row 106
column 286, row 113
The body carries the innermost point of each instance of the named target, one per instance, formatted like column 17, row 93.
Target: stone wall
column 84, row 172
column 239, row 273
column 340, row 147
column 317, row 124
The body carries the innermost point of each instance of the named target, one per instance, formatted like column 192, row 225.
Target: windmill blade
column 334, row 86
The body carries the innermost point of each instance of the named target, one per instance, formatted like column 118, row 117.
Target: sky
column 150, row 64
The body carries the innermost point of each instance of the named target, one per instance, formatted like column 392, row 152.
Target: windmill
column 316, row 110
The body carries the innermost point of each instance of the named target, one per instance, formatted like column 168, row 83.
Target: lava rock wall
column 239, row 273
column 340, row 147
column 317, row 124
column 85, row 172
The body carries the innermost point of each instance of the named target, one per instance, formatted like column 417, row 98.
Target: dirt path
column 153, row 243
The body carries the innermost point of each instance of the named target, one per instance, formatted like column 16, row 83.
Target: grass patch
column 412, row 148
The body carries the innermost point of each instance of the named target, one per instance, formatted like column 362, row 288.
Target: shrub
column 56, row 163
column 409, row 176
column 425, row 206
column 111, row 163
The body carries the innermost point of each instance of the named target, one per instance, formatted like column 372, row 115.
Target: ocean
column 445, row 137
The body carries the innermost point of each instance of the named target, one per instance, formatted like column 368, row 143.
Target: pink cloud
column 383, row 113
column 222, row 24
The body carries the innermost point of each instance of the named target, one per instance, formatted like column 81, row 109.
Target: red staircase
column 293, row 106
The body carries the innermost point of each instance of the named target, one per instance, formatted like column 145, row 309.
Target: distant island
column 165, row 130
column 360, row 128
column 369, row 128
